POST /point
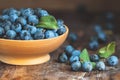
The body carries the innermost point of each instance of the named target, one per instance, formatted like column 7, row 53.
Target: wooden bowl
column 29, row 52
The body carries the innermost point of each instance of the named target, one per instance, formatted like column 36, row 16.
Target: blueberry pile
column 72, row 57
column 21, row 24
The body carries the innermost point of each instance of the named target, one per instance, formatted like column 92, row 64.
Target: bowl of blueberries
column 27, row 35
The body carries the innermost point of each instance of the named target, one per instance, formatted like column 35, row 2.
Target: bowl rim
column 67, row 30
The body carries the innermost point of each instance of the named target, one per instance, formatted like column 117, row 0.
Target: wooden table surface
column 52, row 70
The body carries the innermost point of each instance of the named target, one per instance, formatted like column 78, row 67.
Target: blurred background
column 75, row 13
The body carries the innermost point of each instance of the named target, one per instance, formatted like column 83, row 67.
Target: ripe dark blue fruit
column 102, row 36
column 33, row 19
column 93, row 45
column 60, row 22
column 2, row 32
column 22, row 21
column 75, row 66
column 17, row 27
column 112, row 61
column 73, row 59
column 13, row 17
column 39, row 35
column 75, row 53
column 97, row 28
column 25, row 35
column 61, row 30
column 63, row 58
column 100, row 66
column 87, row 66
column 11, row 34
column 43, row 12
column 31, row 29
column 94, row 57
column 73, row 37
column 69, row 49
column 26, row 12
column 4, row 17
column 49, row 34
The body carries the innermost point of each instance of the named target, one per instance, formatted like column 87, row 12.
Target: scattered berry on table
column 93, row 45
column 112, row 60
column 94, row 57
column 63, row 58
column 76, row 66
column 100, row 66
column 69, row 49
column 73, row 37
column 73, row 59
column 87, row 66
column 75, row 53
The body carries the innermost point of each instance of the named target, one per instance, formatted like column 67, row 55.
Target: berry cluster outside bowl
column 29, row 52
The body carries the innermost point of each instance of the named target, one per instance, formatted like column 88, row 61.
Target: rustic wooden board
column 53, row 70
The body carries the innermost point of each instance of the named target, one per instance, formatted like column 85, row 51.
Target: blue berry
column 75, row 66
column 17, row 27
column 94, row 57
column 56, row 34
column 69, row 49
column 102, row 36
column 4, row 17
column 26, row 12
column 43, row 12
column 93, row 45
column 13, row 11
column 31, row 29
column 22, row 21
column 13, row 17
column 61, row 30
column 112, row 61
column 73, row 37
column 100, row 65
column 7, row 27
column 33, row 19
column 2, row 32
column 25, row 35
column 63, row 58
column 87, row 66
column 73, row 59
column 98, row 28
column 75, row 53
column 60, row 22
column 49, row 34
column 11, row 34
column 39, row 35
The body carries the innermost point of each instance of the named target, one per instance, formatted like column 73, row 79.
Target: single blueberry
column 73, row 37
column 17, row 27
column 13, row 11
column 100, row 65
column 11, row 34
column 23, row 35
column 4, row 17
column 69, row 49
column 31, row 29
column 97, row 28
column 87, row 66
column 39, row 35
column 42, row 12
column 49, row 34
column 102, row 36
column 26, row 12
column 33, row 19
column 22, row 21
column 13, row 17
column 61, row 30
column 60, row 22
column 112, row 61
column 75, row 53
column 63, row 58
column 93, row 45
column 73, row 59
column 94, row 57
column 2, row 32
column 56, row 34
column 75, row 66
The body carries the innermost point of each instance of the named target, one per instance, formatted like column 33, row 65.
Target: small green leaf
column 107, row 51
column 48, row 22
column 93, row 64
column 84, row 56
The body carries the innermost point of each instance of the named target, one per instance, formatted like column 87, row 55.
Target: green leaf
column 93, row 64
column 107, row 51
column 48, row 22
column 84, row 56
